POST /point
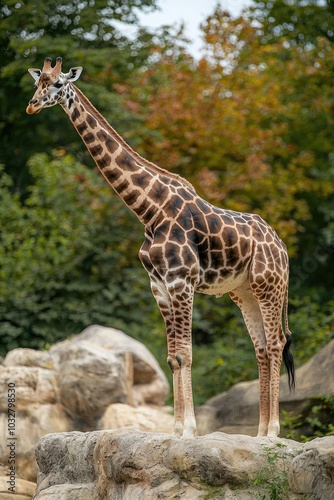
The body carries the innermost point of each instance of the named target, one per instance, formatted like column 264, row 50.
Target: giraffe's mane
column 126, row 146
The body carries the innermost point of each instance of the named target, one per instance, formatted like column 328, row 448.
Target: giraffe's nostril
column 33, row 101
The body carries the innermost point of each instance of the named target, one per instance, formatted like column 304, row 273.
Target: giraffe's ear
column 35, row 73
column 73, row 74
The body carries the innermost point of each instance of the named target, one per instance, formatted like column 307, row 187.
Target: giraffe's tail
column 287, row 356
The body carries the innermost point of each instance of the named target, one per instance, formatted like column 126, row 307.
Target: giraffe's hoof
column 178, row 429
column 189, row 434
column 189, row 430
column 262, row 430
column 273, row 429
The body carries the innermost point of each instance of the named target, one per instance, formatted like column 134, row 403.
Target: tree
column 303, row 32
column 84, row 33
column 301, row 22
column 69, row 257
column 226, row 124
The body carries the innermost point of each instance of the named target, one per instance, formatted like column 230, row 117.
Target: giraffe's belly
column 211, row 284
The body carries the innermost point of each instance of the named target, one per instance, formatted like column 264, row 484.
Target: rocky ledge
column 127, row 464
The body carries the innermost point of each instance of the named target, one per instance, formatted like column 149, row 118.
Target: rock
column 150, row 384
column 70, row 388
column 57, row 461
column 143, row 418
column 237, row 410
column 128, row 464
column 32, row 386
column 312, row 472
column 91, row 378
column 59, row 468
column 29, row 357
column 32, row 423
column 37, row 412
column 69, row 492
column 23, row 489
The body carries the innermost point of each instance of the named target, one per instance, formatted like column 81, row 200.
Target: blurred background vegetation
column 249, row 123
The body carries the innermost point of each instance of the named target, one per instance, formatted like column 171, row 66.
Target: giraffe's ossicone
column 190, row 246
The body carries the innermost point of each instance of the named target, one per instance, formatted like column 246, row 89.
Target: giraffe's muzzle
column 32, row 109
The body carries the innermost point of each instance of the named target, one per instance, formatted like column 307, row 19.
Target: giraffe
column 189, row 246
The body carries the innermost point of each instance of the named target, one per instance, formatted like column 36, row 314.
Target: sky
column 192, row 13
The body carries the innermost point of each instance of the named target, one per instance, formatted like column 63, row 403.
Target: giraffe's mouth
column 32, row 110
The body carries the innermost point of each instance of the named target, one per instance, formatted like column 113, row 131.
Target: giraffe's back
column 235, row 248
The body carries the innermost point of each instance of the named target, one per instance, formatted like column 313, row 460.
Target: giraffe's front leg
column 165, row 305
column 189, row 422
column 182, row 304
column 177, row 390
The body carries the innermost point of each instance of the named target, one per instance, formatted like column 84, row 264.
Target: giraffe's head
column 51, row 85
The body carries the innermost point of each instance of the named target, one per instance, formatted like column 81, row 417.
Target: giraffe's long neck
column 143, row 186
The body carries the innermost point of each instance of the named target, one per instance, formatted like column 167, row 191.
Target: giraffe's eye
column 58, row 85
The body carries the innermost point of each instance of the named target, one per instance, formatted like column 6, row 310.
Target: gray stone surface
column 128, row 464
column 91, row 378
column 150, row 385
column 312, row 472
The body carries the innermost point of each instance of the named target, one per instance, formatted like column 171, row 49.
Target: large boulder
column 74, row 386
column 91, row 378
column 128, row 464
column 312, row 472
column 150, row 385
column 237, row 410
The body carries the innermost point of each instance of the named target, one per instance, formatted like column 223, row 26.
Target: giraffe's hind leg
column 252, row 315
column 272, row 321
column 268, row 280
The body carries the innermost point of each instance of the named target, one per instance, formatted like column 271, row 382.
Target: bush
column 63, row 263
column 316, row 420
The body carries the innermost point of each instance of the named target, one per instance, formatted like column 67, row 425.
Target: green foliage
column 320, row 418
column 312, row 323
column 212, row 492
column 273, row 477
column 290, row 424
column 63, row 263
column 300, row 21
column 302, row 31
column 315, row 421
